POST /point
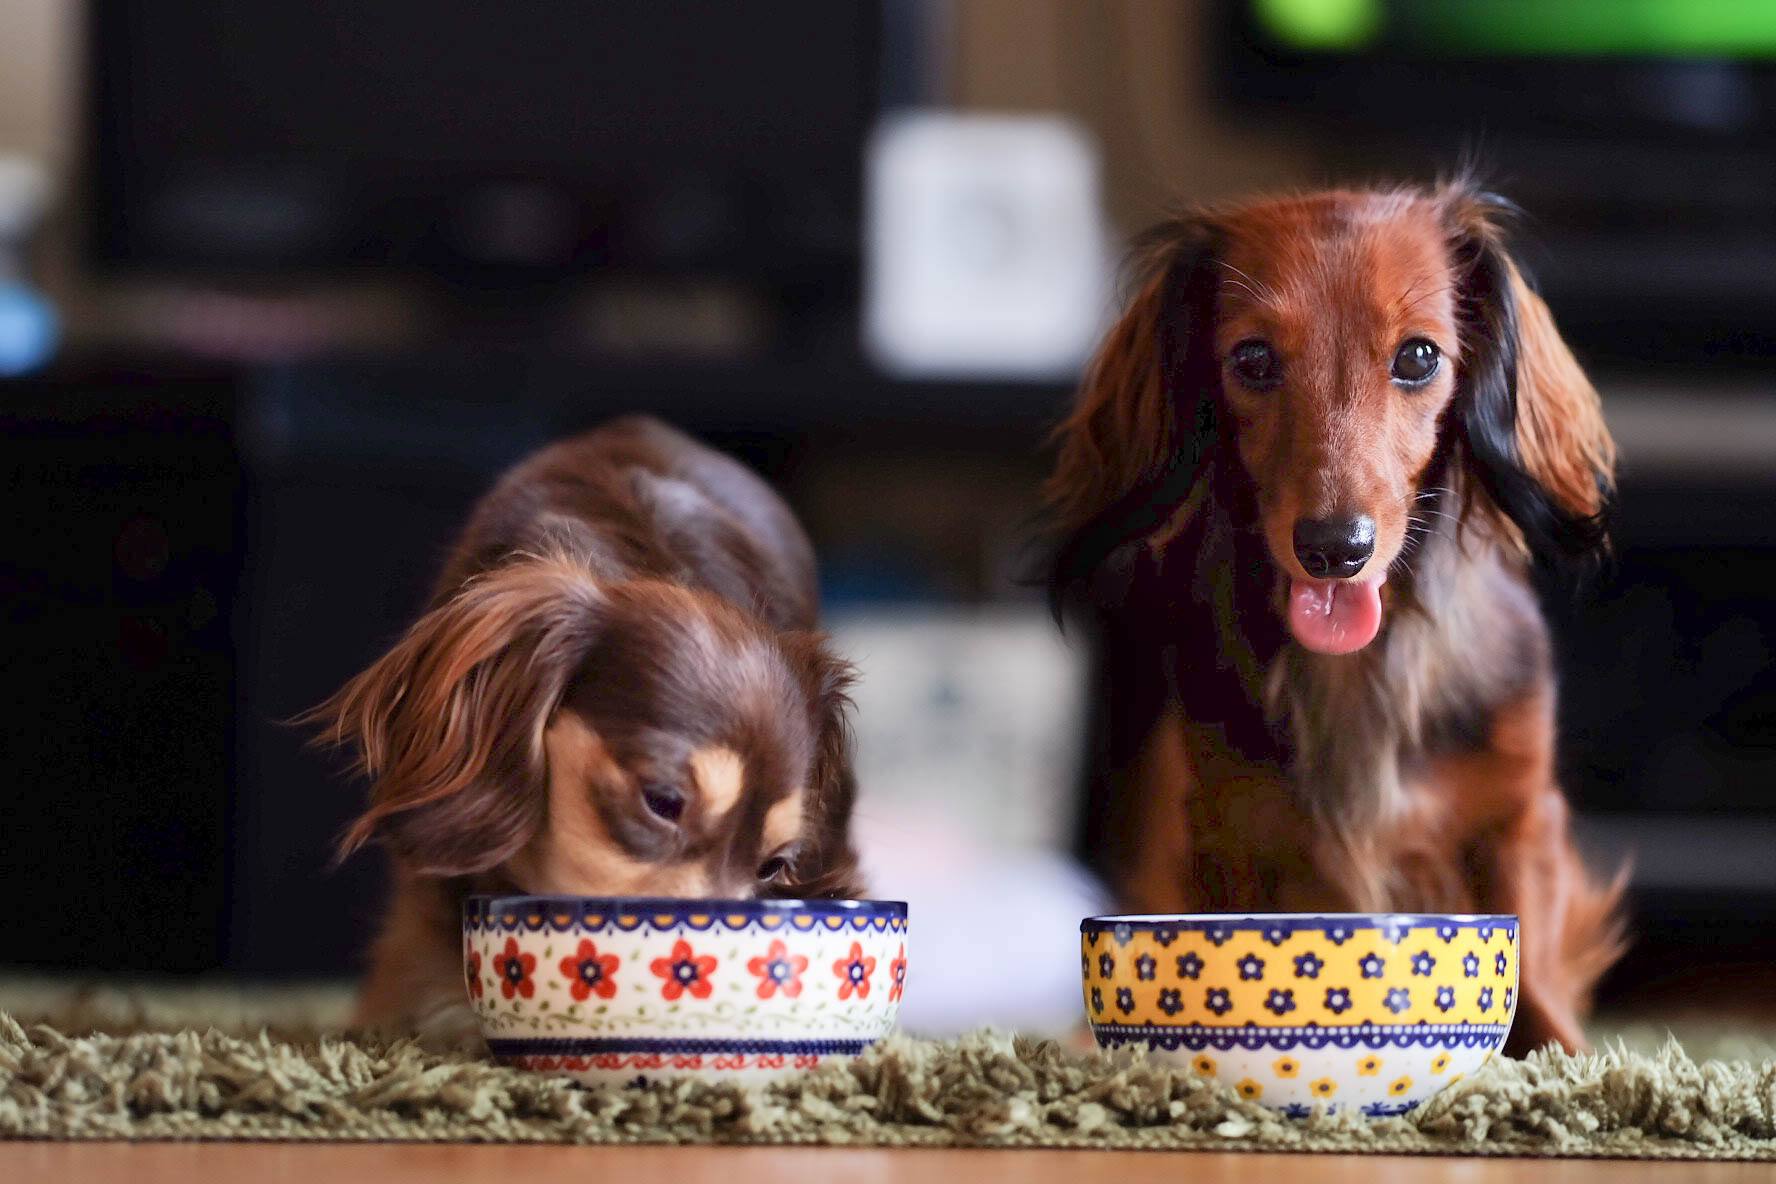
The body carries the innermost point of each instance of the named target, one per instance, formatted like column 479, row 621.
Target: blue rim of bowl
column 490, row 903
column 1291, row 922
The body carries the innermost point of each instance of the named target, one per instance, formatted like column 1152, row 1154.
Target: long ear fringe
column 449, row 724
column 1131, row 448
column 1529, row 424
column 832, row 870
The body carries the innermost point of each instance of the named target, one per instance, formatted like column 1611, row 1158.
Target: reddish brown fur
column 1418, row 772
column 1561, row 430
column 1338, row 436
column 626, row 614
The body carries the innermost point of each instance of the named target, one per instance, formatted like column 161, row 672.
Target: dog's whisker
column 1247, row 288
column 1431, row 295
column 1259, row 290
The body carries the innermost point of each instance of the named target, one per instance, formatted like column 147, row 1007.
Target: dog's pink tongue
column 1334, row 616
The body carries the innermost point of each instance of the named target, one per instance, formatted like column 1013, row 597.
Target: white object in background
column 977, row 714
column 998, row 938
column 986, row 251
column 24, row 197
column 28, row 325
column 970, row 731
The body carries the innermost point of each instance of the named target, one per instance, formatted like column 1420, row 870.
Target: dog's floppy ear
column 1132, row 447
column 829, row 866
column 1529, row 423
column 449, row 724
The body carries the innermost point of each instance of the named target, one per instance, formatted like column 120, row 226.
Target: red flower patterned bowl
column 615, row 990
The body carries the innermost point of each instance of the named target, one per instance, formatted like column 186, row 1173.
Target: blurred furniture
column 1668, row 693
column 970, row 729
column 193, row 556
column 119, row 567
column 499, row 146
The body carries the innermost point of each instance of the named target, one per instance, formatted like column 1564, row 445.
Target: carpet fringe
column 987, row 1089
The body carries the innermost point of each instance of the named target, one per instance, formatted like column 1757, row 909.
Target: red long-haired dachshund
column 616, row 690
column 1299, row 499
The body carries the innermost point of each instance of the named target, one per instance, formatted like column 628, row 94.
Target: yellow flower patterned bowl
column 1375, row 1012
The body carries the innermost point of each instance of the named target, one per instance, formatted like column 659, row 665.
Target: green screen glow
column 1596, row 28
column 1322, row 24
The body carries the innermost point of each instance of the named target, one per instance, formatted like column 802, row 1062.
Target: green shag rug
column 109, row 1065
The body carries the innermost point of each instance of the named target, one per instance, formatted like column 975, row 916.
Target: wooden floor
column 175, row 1163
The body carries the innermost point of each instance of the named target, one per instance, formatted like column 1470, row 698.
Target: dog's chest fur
column 1354, row 736
column 1465, row 638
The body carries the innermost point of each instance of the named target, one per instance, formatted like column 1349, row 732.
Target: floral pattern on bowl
column 613, row 990
column 1375, row 1012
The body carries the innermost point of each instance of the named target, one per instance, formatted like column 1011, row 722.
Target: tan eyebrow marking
column 720, row 774
column 783, row 822
column 575, row 852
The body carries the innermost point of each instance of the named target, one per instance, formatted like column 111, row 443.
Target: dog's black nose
column 1334, row 548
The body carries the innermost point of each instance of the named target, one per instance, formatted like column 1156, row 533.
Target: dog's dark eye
column 663, row 801
column 774, row 868
column 1256, row 365
column 1416, row 361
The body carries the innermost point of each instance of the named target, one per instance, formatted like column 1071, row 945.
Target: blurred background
column 284, row 285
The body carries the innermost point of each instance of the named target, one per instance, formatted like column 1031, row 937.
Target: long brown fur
column 617, row 690
column 1418, row 772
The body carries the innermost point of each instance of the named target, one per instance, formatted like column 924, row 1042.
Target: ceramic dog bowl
column 616, row 990
column 1375, row 1012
